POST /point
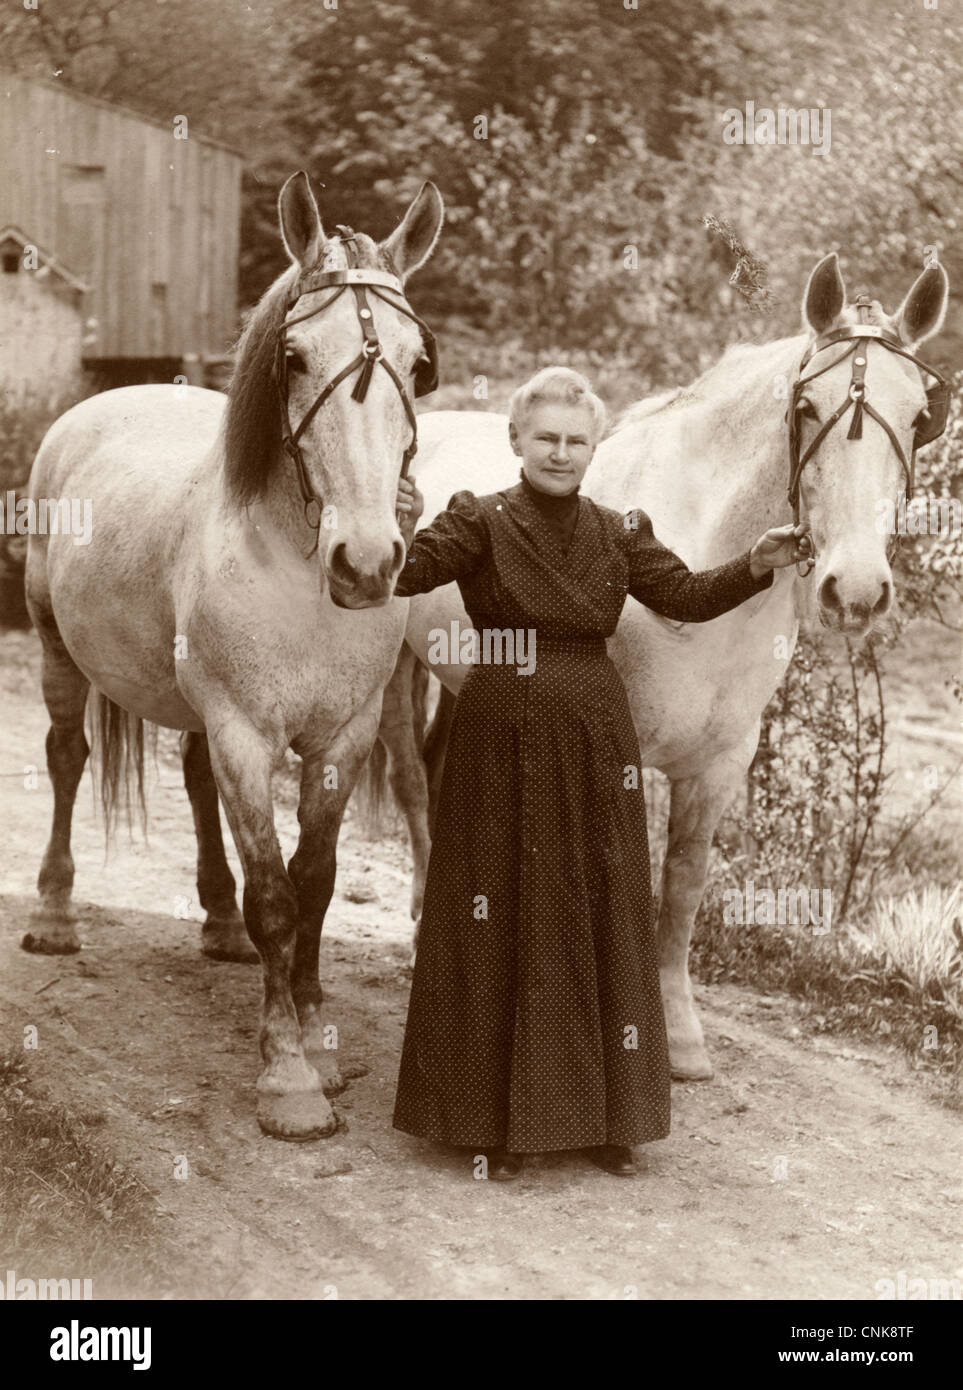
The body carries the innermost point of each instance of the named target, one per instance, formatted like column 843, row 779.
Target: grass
column 896, row 977
column 68, row 1209
column 919, row 938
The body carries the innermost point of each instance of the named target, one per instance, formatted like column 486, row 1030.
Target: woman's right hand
column 410, row 504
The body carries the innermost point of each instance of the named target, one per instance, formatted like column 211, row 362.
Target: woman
column 535, row 1021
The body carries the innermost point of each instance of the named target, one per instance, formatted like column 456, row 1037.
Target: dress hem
column 593, row 1142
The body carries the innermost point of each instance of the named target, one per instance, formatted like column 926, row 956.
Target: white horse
column 204, row 602
column 709, row 465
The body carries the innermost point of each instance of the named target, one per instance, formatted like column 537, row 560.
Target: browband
column 856, row 330
column 324, row 279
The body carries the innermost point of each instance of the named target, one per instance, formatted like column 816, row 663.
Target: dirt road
column 807, row 1168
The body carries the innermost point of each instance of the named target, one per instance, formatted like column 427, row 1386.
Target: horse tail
column 371, row 791
column 117, row 758
column 436, row 738
column 419, row 701
column 434, row 747
column 407, row 690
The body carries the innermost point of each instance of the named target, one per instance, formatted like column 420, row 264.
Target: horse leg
column 291, row 1102
column 401, row 731
column 696, row 806
column 327, row 779
column 435, row 746
column 53, row 930
column 224, row 935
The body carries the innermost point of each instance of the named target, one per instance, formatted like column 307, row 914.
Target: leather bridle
column 359, row 281
column 929, row 424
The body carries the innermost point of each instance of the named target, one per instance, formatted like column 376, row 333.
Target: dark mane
column 252, row 437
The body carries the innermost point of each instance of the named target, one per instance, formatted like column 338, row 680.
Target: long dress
column 535, row 1019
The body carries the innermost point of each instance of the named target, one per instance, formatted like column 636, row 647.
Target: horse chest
column 293, row 662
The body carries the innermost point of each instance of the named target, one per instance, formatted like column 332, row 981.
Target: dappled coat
column 535, row 1018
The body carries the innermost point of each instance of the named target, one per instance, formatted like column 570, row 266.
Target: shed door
column 82, row 243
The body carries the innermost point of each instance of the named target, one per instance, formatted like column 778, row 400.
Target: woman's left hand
column 781, row 546
column 409, row 505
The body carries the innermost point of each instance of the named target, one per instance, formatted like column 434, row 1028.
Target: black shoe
column 614, row 1158
column 502, row 1165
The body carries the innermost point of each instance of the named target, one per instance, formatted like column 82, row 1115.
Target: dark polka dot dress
column 535, row 1018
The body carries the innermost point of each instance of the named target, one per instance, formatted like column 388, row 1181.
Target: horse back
column 133, row 446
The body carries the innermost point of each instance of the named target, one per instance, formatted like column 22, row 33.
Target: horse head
column 321, row 416
column 353, row 447
column 855, row 414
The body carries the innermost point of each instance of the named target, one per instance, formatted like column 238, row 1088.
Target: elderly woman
column 535, row 1021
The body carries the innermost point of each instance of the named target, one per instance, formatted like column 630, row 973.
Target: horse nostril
column 829, row 593
column 339, row 567
column 883, row 602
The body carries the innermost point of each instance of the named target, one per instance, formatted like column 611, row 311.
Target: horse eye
column 806, row 407
column 294, row 360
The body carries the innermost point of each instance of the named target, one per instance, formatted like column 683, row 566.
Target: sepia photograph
column 481, row 605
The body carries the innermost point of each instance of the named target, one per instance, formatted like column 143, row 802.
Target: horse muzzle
column 360, row 579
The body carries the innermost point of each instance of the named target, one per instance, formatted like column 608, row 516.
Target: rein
column 358, row 281
column 929, row 424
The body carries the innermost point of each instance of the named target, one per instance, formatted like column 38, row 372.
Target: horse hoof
column 297, row 1117
column 49, row 939
column 333, row 1080
column 226, row 938
column 692, row 1068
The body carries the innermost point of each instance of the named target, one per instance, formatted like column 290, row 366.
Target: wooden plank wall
column 156, row 233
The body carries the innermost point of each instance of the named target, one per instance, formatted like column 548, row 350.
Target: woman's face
column 555, row 443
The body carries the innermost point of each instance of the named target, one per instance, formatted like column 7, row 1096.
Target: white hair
column 562, row 385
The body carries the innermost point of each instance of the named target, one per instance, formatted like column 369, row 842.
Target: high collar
column 548, row 503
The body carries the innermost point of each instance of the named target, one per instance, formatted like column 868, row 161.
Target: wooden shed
column 147, row 222
column 41, row 322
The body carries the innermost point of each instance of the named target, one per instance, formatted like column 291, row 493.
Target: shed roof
column 118, row 110
column 12, row 233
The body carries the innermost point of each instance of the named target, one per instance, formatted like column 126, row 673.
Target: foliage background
column 604, row 131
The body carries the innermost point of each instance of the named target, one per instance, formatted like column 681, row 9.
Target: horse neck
column 711, row 468
column 277, row 515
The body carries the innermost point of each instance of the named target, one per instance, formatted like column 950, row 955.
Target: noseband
column 358, row 280
column 929, row 424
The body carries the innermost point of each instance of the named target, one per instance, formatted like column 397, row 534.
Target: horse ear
column 922, row 312
column 300, row 221
column 413, row 240
column 825, row 295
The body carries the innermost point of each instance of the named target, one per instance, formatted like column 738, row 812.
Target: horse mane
column 715, row 381
column 651, row 405
column 252, row 427
column 737, row 355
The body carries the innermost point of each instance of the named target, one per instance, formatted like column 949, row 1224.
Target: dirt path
column 805, row 1169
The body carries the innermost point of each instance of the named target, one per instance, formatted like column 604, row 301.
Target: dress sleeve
column 451, row 547
column 664, row 583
